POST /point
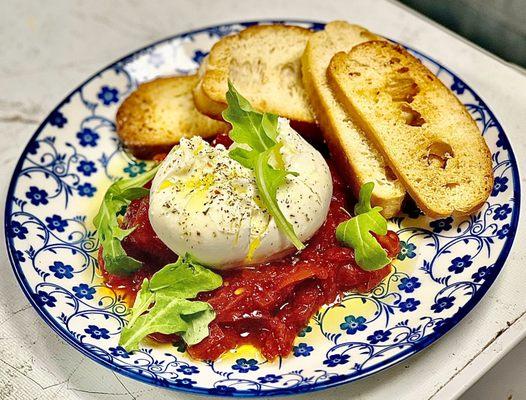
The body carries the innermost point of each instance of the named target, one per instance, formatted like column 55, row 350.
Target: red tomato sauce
column 266, row 305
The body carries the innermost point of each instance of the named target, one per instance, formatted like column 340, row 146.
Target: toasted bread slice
column 357, row 158
column 159, row 113
column 263, row 62
column 202, row 102
column 425, row 134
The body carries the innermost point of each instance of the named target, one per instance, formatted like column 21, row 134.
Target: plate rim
column 341, row 379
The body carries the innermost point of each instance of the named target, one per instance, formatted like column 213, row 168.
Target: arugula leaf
column 268, row 180
column 110, row 234
column 185, row 278
column 259, row 131
column 356, row 232
column 170, row 315
column 162, row 304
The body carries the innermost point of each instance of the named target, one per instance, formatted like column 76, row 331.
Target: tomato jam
column 265, row 305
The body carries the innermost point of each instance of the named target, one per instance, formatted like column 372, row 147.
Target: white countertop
column 49, row 48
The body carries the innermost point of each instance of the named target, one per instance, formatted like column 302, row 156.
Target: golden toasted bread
column 263, row 62
column 425, row 134
column 357, row 157
column 161, row 112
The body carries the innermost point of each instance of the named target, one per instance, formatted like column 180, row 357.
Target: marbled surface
column 49, row 49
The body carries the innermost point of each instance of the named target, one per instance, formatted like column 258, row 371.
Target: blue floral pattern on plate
column 444, row 269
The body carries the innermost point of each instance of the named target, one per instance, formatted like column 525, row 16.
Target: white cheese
column 207, row 204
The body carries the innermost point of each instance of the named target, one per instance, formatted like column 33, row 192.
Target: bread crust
column 426, row 135
column 202, row 102
column 205, row 104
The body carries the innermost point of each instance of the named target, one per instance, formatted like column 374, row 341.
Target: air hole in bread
column 402, row 89
column 411, row 116
column 288, row 73
column 452, row 185
column 246, row 73
column 288, row 78
column 389, row 174
column 438, row 154
column 354, row 73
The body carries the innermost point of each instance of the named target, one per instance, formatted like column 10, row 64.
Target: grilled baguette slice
column 425, row 134
column 159, row 113
column 263, row 62
column 357, row 158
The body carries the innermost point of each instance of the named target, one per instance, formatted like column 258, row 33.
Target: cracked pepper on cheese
column 205, row 203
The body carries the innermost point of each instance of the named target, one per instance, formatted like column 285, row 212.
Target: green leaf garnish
column 259, row 131
column 356, row 232
column 109, row 232
column 162, row 304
